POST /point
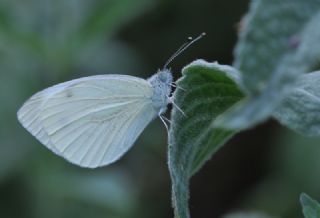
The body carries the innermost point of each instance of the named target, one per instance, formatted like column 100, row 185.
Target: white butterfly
column 93, row 121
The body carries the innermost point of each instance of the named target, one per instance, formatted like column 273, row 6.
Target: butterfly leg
column 175, row 105
column 164, row 119
column 173, row 84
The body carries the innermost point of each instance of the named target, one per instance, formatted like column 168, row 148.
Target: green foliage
column 278, row 42
column 278, row 45
column 300, row 109
column 310, row 207
column 45, row 42
column 270, row 32
column 207, row 89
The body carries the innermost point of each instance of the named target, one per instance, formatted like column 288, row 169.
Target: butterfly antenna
column 182, row 48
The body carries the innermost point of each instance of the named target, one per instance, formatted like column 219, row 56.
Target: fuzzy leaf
column 300, row 110
column 271, row 31
column 205, row 91
column 310, row 207
column 277, row 44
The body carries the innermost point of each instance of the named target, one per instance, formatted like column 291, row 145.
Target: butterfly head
column 161, row 82
column 165, row 76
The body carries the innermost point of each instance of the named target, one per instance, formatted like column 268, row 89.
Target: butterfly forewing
column 90, row 121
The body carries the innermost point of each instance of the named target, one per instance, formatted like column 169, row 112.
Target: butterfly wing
column 29, row 114
column 90, row 121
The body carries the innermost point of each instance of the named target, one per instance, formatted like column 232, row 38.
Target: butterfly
column 92, row 121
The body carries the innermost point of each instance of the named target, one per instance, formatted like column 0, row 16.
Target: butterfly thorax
column 161, row 83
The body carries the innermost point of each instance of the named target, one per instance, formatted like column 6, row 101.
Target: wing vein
column 81, row 116
column 94, row 142
column 134, row 116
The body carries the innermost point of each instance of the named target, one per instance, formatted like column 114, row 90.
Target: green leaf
column 310, row 207
column 277, row 44
column 270, row 32
column 300, row 110
column 205, row 91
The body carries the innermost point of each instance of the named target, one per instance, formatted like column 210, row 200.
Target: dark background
column 45, row 42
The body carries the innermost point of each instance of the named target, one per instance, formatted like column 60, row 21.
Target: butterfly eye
column 163, row 77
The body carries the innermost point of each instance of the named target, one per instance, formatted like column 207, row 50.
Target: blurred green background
column 44, row 42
